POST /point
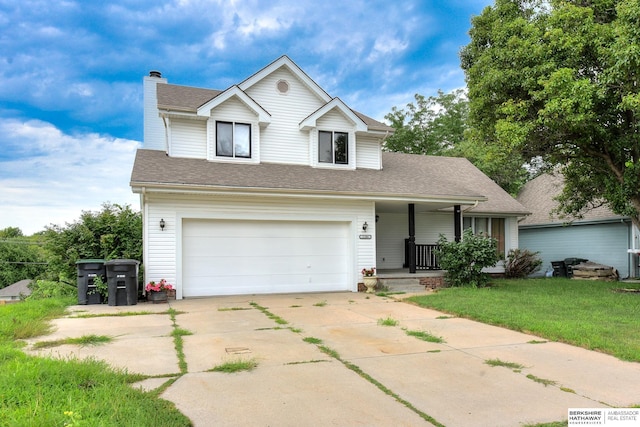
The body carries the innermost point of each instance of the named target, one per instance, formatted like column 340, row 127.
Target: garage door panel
column 230, row 247
column 237, row 257
column 229, row 266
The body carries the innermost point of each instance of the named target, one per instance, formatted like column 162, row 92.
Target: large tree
column 439, row 125
column 433, row 125
column 559, row 81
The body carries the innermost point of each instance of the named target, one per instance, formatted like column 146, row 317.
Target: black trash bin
column 88, row 270
column 571, row 262
column 122, row 281
column 559, row 269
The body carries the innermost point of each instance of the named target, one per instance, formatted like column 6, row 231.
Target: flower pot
column 157, row 297
column 370, row 282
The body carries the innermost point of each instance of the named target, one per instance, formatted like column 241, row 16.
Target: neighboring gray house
column 272, row 185
column 16, row 291
column 600, row 235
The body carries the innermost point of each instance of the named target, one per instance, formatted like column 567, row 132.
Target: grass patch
column 118, row 314
column 279, row 320
column 541, row 380
column 178, row 342
column 388, row 322
column 320, row 304
column 179, row 332
column 584, row 313
column 552, row 424
column 295, row 330
column 537, row 342
column 387, row 293
column 82, row 341
column 312, row 340
column 295, row 306
column 424, row 336
column 237, row 365
column 307, row 361
column 498, row 362
column 445, row 317
column 50, row 392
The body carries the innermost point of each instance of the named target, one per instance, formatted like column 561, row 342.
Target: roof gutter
column 306, row 193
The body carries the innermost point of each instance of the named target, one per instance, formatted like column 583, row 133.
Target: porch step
column 409, row 285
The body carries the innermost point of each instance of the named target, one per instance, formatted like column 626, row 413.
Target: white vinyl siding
column 368, row 152
column 393, row 229
column 283, row 141
column 188, row 138
column 163, row 251
column 154, row 134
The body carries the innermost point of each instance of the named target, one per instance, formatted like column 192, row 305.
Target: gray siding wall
column 602, row 243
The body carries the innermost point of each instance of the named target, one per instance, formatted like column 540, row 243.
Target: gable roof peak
column 285, row 61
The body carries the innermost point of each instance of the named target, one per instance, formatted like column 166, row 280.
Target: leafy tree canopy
column 20, row 257
column 439, row 125
column 559, row 81
column 113, row 232
column 433, row 125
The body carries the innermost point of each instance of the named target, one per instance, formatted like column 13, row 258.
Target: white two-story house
column 272, row 185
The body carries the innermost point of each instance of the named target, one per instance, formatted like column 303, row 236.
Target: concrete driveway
column 368, row 374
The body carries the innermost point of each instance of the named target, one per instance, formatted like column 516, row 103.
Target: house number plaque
column 365, row 236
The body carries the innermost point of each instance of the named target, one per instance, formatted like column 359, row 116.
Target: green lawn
column 38, row 391
column 589, row 314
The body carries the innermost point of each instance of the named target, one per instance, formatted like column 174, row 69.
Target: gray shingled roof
column 188, row 99
column 404, row 175
column 538, row 196
column 183, row 98
column 17, row 289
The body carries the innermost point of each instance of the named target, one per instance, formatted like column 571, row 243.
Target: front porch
column 401, row 280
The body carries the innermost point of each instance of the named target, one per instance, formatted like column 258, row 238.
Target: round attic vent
column 282, row 86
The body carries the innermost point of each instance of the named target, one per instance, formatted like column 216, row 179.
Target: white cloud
column 52, row 177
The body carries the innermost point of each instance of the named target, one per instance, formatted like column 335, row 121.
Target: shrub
column 521, row 263
column 42, row 289
column 464, row 260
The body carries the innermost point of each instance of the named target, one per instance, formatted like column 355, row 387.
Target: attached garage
column 229, row 257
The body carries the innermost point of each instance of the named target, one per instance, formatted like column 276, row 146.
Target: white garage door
column 228, row 257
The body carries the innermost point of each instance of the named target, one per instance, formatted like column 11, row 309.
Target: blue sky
column 71, row 77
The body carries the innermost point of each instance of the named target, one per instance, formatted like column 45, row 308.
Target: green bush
column 521, row 263
column 464, row 260
column 113, row 232
column 41, row 289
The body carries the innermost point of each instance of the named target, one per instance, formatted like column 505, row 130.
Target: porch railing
column 426, row 258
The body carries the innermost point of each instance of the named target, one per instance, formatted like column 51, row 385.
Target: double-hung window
column 233, row 139
column 333, row 147
column 489, row 227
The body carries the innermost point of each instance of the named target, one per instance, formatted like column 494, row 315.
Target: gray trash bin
column 88, row 270
column 122, row 281
column 559, row 269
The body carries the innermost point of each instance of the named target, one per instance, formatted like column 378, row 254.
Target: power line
column 24, row 262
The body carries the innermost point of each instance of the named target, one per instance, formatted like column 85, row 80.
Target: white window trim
column 315, row 147
column 254, row 145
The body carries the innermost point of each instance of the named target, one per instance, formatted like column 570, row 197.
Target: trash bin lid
column 90, row 261
column 123, row 262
